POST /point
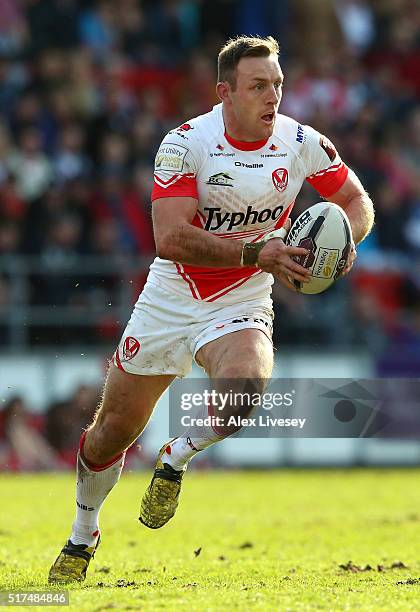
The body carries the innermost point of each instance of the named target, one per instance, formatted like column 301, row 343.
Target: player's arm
column 178, row 240
column 353, row 198
column 334, row 181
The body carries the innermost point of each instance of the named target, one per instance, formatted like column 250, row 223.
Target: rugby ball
column 325, row 231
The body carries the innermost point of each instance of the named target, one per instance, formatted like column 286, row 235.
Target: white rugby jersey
column 244, row 191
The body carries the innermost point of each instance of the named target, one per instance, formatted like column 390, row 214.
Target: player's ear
column 223, row 90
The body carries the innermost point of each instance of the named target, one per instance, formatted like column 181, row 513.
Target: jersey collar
column 245, row 146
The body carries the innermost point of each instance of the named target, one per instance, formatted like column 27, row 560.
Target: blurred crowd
column 48, row 440
column 88, row 88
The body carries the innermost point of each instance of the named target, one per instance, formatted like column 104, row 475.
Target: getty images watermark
column 304, row 408
column 221, row 402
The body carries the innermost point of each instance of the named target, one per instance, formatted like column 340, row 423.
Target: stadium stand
column 88, row 89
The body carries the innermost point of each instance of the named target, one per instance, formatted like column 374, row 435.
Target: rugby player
column 225, row 184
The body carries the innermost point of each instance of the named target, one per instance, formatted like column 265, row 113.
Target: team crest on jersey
column 223, row 179
column 130, row 348
column 280, row 178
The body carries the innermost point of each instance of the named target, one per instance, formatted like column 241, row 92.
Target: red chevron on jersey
column 179, row 185
column 209, row 284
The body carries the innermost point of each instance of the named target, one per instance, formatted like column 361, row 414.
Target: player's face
column 254, row 102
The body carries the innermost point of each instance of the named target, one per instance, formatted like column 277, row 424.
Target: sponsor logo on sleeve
column 280, row 178
column 300, row 136
column 171, row 157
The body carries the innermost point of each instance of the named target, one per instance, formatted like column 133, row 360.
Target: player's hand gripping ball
column 325, row 231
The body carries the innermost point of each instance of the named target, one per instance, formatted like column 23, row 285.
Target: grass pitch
column 244, row 541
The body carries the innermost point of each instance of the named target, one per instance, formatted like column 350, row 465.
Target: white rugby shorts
column 166, row 330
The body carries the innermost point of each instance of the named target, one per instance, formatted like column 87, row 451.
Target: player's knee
column 253, row 370
column 254, row 361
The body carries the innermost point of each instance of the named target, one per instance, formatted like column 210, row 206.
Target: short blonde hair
column 242, row 46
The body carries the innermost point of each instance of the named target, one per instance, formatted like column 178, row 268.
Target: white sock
column 93, row 486
column 179, row 452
